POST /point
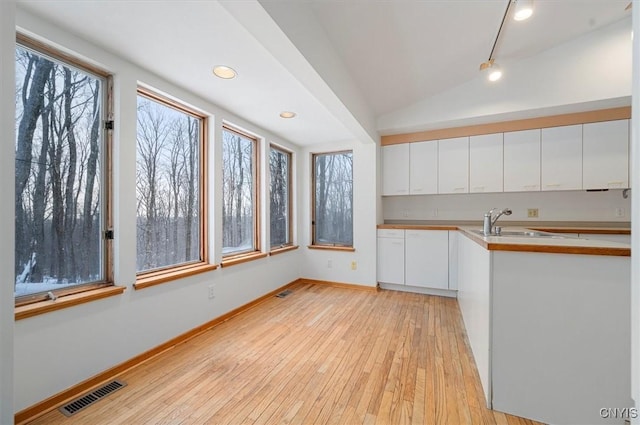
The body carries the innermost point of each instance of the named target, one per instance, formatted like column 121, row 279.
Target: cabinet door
column 395, row 169
column 485, row 160
column 453, row 165
column 522, row 161
column 606, row 155
column 423, row 168
column 391, row 256
column 427, row 258
column 562, row 158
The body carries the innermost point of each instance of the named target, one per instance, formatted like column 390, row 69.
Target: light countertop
column 568, row 244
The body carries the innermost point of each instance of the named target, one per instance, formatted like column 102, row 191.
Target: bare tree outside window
column 238, row 193
column 59, row 184
column 280, row 194
column 333, row 199
column 167, row 185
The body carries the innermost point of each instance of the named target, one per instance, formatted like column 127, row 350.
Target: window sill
column 242, row 258
column 47, row 306
column 280, row 250
column 333, row 248
column 162, row 276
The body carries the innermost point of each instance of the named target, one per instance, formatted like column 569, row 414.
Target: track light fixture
column 494, row 72
column 523, row 10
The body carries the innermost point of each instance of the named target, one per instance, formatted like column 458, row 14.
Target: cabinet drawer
column 390, row 233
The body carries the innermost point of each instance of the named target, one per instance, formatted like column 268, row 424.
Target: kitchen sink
column 523, row 234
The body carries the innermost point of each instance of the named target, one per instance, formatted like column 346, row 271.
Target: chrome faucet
column 489, row 221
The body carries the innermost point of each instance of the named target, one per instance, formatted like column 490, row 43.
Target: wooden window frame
column 314, row 243
column 289, row 243
column 178, row 271
column 238, row 257
column 40, row 303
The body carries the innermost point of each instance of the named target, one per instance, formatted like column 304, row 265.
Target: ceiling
column 339, row 64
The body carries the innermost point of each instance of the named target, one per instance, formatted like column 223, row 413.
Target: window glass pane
column 238, row 210
column 59, row 146
column 333, row 179
column 167, row 186
column 279, row 168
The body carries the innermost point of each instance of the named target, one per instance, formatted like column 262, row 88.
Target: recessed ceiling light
column 287, row 114
column 224, row 72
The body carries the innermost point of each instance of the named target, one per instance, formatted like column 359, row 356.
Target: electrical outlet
column 434, row 212
column 354, row 265
column 405, row 213
column 212, row 291
column 532, row 213
column 619, row 212
column 329, row 263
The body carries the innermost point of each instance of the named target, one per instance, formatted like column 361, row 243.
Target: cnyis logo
column 619, row 413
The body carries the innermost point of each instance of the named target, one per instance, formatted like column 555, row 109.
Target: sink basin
column 523, row 234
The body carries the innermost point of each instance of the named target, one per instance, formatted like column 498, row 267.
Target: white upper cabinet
column 562, row 158
column 522, row 161
column 485, row 163
column 395, row 169
column 453, row 165
column 423, row 168
column 606, row 155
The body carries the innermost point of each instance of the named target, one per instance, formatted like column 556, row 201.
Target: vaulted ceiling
column 343, row 66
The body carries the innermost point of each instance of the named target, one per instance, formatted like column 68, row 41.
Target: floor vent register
column 90, row 398
column 284, row 293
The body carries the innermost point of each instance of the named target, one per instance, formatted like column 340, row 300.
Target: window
column 280, row 194
column 332, row 221
column 239, row 196
column 171, row 225
column 61, row 184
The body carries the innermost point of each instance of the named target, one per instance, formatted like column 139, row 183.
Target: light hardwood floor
column 322, row 355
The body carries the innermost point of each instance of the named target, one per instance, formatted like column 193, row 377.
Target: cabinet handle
column 459, row 189
column 615, row 184
column 530, row 186
column 479, row 188
column 396, row 243
column 417, row 189
column 553, row 185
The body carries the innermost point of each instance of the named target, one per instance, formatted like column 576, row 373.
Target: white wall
column 572, row 73
column 57, row 350
column 298, row 21
column 7, row 175
column 552, row 206
column 635, row 224
column 364, row 220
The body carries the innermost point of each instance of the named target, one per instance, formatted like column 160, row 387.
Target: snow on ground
column 33, row 288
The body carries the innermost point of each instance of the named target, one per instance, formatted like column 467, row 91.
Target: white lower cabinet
column 427, row 258
column 418, row 258
column 391, row 256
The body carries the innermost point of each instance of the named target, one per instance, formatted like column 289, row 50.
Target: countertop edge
column 596, row 248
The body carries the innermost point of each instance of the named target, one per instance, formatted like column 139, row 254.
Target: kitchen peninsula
column 548, row 318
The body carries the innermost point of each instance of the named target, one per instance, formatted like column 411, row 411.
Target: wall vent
column 284, row 293
column 90, row 398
